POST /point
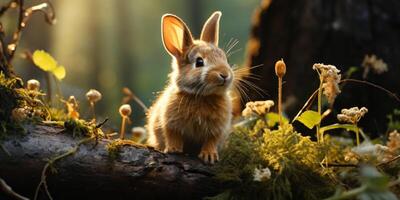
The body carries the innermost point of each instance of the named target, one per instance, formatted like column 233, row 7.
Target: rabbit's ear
column 175, row 34
column 210, row 32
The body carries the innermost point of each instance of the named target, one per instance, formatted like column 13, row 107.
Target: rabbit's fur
column 195, row 108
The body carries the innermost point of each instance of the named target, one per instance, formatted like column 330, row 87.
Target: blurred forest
column 108, row 45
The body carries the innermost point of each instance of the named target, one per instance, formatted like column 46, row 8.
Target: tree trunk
column 332, row 32
column 90, row 173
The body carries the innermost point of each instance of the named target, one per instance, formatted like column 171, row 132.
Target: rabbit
column 195, row 108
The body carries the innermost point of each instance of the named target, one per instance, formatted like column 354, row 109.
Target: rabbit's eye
column 199, row 62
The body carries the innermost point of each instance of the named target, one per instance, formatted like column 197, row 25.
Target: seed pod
column 280, row 68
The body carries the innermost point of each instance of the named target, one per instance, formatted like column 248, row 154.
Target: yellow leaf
column 309, row 118
column 59, row 72
column 44, row 60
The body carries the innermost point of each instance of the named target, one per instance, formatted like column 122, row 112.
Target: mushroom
column 93, row 96
column 125, row 110
column 138, row 134
column 33, row 85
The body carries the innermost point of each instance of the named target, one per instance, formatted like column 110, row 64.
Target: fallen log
column 90, row 173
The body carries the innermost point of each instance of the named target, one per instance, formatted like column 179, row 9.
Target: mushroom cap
column 33, row 84
column 125, row 110
column 93, row 95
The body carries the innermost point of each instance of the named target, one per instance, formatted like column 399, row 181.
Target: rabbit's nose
column 223, row 76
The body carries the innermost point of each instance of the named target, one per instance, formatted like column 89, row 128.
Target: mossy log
column 90, row 173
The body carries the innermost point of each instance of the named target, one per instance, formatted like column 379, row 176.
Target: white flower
column 352, row 115
column 371, row 62
column 330, row 80
column 257, row 107
column 262, row 174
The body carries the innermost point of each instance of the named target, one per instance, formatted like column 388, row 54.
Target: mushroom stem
column 93, row 111
column 122, row 134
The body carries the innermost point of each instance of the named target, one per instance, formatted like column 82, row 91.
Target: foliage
column 293, row 159
column 373, row 185
column 18, row 105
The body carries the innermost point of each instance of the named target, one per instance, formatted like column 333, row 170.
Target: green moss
column 9, row 100
column 114, row 147
column 294, row 161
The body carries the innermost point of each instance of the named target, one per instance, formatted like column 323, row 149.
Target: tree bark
column 332, row 32
column 90, row 173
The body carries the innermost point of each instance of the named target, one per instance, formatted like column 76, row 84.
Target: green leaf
column 59, row 72
column 47, row 63
column 309, row 118
column 273, row 119
column 44, row 60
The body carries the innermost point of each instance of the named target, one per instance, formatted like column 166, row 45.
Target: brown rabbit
column 195, row 108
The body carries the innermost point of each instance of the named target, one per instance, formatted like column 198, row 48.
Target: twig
column 132, row 96
column 392, row 94
column 8, row 190
column 389, row 161
column 43, row 181
column 24, row 16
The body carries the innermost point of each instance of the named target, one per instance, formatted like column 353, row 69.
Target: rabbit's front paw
column 173, row 149
column 209, row 156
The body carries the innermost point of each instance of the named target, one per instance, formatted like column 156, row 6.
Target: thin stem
column 93, row 111
column 122, row 134
column 357, row 135
column 319, row 106
column 280, row 100
column 49, row 87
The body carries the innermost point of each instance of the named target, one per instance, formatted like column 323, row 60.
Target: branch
column 8, row 190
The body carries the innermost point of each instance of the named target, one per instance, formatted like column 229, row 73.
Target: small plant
column 280, row 71
column 48, row 64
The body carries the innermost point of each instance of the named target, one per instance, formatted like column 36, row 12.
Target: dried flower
column 371, row 62
column 280, row 68
column 93, row 96
column 72, row 107
column 262, row 174
column 257, row 107
column 125, row 110
column 330, row 76
column 352, row 115
column 33, row 85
